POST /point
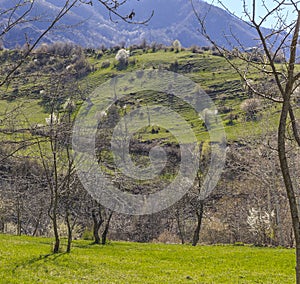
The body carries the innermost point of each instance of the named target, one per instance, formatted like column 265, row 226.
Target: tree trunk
column 56, row 235
column 68, row 250
column 288, row 181
column 96, row 234
column 96, row 226
column 37, row 224
column 69, row 234
column 199, row 214
column 105, row 232
column 1, row 225
column 278, row 229
column 57, row 240
column 19, row 225
column 54, row 222
column 180, row 229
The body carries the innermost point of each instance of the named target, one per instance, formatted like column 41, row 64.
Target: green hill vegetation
column 90, row 68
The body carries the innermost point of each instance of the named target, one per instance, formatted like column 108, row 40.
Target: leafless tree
column 53, row 140
column 281, row 40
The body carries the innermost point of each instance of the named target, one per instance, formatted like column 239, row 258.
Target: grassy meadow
column 28, row 260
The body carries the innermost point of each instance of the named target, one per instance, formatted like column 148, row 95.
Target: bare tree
column 100, row 216
column 281, row 40
column 97, row 216
column 198, row 208
column 54, row 150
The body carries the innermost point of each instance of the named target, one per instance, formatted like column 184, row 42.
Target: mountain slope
column 91, row 25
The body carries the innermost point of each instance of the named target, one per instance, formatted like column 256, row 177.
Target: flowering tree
column 122, row 57
column 177, row 45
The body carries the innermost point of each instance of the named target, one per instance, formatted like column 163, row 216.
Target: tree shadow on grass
column 48, row 257
column 90, row 245
column 83, row 246
column 53, row 256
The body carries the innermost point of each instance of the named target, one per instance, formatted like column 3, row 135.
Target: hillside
column 91, row 25
column 59, row 78
column 206, row 68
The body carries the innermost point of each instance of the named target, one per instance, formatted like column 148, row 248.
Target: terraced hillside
column 88, row 69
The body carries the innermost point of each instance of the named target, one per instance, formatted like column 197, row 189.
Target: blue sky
column 236, row 6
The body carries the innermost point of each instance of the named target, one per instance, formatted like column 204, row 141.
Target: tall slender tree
column 274, row 59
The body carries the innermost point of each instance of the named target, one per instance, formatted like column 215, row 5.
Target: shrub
column 105, row 64
column 87, row 235
column 82, row 67
column 143, row 44
column 194, row 49
column 230, row 119
column 167, row 238
column 174, row 66
column 205, row 48
column 64, row 49
column 224, row 109
column 99, row 54
column 154, row 47
column 251, row 107
column 217, row 53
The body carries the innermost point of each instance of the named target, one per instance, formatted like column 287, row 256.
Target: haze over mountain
column 90, row 26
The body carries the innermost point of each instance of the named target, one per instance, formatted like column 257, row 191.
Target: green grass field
column 28, row 260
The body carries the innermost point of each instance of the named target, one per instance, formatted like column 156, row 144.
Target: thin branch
column 113, row 5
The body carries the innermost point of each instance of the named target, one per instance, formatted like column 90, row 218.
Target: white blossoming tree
column 122, row 57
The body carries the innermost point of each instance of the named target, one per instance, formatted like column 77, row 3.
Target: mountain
column 91, row 26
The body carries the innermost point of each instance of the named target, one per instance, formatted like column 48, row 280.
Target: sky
column 236, row 6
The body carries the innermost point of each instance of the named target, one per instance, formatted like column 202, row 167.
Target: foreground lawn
column 28, row 260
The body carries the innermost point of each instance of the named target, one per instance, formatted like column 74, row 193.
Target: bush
column 230, row 119
column 224, row 109
column 87, row 235
column 217, row 53
column 205, row 48
column 82, row 67
column 154, row 47
column 194, row 49
column 99, row 54
column 63, row 49
column 105, row 64
column 251, row 107
column 174, row 66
